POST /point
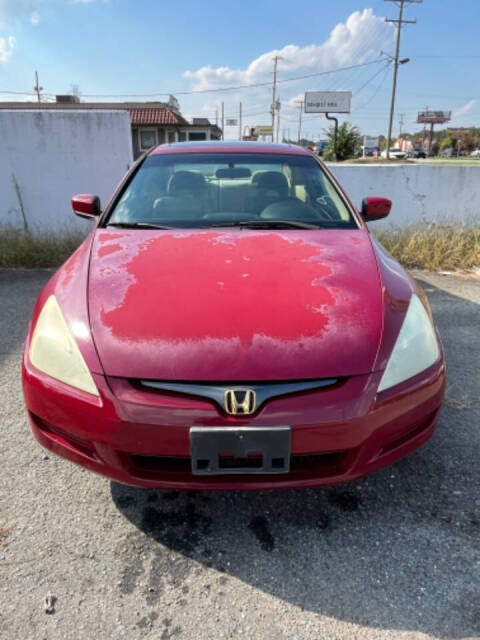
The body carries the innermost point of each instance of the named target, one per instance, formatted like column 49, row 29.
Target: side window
column 147, row 138
column 197, row 135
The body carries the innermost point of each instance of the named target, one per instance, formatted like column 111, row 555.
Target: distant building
column 152, row 123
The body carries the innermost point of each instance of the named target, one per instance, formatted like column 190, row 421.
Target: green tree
column 448, row 142
column 349, row 141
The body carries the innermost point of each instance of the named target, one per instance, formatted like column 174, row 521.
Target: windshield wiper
column 268, row 224
column 136, row 225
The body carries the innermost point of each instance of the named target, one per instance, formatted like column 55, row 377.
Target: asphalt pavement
column 395, row 555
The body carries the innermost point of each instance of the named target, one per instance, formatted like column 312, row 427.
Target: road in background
column 395, row 555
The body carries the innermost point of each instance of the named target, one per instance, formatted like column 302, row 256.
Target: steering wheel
column 328, row 206
column 289, row 209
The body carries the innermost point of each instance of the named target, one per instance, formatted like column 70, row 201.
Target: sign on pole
column 328, row 101
column 434, row 117
column 263, row 130
column 232, row 122
column 369, row 142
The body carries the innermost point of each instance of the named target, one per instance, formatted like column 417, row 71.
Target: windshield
column 213, row 190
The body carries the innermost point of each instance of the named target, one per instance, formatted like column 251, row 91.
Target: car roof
column 210, row 146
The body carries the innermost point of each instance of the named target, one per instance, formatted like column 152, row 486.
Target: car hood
column 236, row 305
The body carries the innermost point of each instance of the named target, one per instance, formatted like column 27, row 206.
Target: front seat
column 186, row 196
column 267, row 187
column 184, row 183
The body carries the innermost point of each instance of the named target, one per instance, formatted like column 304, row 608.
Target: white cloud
column 12, row 11
column 357, row 40
column 466, row 108
column 6, row 48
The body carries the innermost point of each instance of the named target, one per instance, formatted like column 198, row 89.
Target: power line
column 373, row 96
column 372, row 78
column 355, row 93
column 216, row 90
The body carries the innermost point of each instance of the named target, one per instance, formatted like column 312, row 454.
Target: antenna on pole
column 273, row 107
column 223, row 120
column 37, row 88
column 300, row 104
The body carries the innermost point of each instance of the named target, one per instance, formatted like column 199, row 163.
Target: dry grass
column 431, row 248
column 377, row 160
column 434, row 247
column 20, row 248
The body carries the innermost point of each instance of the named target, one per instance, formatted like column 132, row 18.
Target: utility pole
column 216, row 117
column 223, row 120
column 401, row 123
column 277, row 131
column 399, row 23
column 300, row 109
column 274, row 92
column 240, row 121
column 425, row 131
column 37, row 88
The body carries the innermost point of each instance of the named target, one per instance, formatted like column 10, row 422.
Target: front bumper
column 141, row 437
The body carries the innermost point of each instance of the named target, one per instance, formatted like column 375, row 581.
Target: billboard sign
column 434, row 117
column 328, row 101
column 369, row 142
column 263, row 130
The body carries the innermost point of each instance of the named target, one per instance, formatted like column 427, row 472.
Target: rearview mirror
column 86, row 206
column 374, row 208
column 233, row 172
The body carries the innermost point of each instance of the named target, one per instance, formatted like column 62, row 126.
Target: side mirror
column 374, row 208
column 86, row 206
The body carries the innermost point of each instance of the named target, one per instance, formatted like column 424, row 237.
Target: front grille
column 218, row 392
column 320, row 465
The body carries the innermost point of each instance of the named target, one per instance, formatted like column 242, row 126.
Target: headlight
column 416, row 347
column 54, row 351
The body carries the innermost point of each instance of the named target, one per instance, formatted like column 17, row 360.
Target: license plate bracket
column 240, row 450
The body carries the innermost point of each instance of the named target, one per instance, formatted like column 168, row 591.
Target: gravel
column 395, row 555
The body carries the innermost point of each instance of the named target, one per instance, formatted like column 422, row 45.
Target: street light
column 392, row 58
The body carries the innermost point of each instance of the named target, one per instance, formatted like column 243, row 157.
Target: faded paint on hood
column 235, row 305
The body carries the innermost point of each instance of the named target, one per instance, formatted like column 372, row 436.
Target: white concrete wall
column 52, row 155
column 421, row 194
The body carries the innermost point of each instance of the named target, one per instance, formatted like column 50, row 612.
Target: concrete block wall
column 48, row 156
column 421, row 193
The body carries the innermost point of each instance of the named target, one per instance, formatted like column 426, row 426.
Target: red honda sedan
column 231, row 323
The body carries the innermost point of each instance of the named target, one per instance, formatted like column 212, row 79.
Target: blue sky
column 152, row 46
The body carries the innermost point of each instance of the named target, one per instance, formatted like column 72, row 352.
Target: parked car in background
column 475, row 153
column 447, row 152
column 230, row 322
column 395, row 152
column 417, row 152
